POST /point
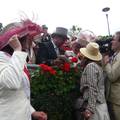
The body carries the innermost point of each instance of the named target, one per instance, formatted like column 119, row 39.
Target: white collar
column 54, row 44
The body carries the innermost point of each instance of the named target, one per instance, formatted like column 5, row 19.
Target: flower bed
column 54, row 90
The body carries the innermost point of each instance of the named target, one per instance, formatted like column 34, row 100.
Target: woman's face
column 83, row 58
column 76, row 50
column 26, row 43
column 83, row 61
column 76, row 47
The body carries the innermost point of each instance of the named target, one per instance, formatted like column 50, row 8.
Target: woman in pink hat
column 14, row 78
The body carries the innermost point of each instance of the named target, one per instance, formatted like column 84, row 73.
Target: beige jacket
column 113, row 73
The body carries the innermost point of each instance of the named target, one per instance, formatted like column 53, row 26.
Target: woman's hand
column 15, row 43
column 39, row 115
column 106, row 59
column 87, row 114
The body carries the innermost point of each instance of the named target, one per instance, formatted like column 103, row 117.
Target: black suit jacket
column 45, row 53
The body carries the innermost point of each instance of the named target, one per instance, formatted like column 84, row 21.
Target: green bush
column 55, row 94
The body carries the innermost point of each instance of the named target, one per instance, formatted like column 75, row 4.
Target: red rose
column 53, row 72
column 66, row 67
column 47, row 68
column 74, row 59
column 44, row 67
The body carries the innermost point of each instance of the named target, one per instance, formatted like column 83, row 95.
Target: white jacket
column 14, row 102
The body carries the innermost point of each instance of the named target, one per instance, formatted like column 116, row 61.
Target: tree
column 74, row 31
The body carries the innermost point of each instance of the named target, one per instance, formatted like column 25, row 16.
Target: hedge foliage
column 55, row 94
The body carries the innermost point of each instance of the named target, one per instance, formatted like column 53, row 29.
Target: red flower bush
column 56, row 80
column 47, row 68
column 53, row 92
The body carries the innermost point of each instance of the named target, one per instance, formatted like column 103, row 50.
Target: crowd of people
column 27, row 42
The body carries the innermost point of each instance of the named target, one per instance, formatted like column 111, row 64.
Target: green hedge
column 55, row 96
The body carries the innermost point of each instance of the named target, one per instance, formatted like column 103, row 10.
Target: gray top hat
column 62, row 32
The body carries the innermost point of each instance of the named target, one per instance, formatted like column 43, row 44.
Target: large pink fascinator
column 25, row 27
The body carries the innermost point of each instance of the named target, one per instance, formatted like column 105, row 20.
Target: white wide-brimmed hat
column 91, row 51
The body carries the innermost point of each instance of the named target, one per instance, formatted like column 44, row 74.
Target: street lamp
column 106, row 9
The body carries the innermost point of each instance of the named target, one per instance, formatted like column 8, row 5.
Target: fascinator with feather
column 23, row 28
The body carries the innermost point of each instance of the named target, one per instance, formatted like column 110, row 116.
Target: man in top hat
column 49, row 51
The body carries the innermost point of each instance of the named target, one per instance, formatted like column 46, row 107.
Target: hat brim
column 91, row 57
column 60, row 35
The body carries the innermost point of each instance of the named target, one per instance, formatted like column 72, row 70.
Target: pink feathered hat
column 26, row 27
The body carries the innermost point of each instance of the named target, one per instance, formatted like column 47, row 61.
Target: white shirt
column 56, row 48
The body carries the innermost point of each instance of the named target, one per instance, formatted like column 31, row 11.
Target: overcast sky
column 87, row 14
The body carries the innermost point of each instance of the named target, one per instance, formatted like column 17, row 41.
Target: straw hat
column 92, row 51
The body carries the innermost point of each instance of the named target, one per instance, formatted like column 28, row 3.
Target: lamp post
column 106, row 9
